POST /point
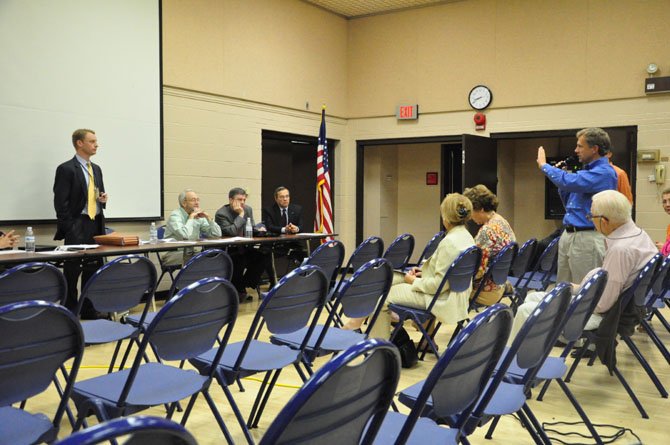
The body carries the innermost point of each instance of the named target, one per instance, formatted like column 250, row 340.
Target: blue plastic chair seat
column 334, row 340
column 106, row 331
column 260, row 357
column 552, row 368
column 26, row 427
column 134, row 319
column 425, row 431
column 150, row 387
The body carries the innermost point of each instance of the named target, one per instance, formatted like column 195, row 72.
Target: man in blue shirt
column 581, row 247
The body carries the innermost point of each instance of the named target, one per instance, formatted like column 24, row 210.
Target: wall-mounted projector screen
column 68, row 64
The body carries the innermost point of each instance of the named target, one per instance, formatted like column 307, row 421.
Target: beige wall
column 529, row 52
column 279, row 52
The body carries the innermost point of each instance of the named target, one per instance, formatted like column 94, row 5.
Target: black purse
column 408, row 353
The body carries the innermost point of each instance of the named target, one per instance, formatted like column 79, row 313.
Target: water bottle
column 153, row 233
column 30, row 240
column 248, row 230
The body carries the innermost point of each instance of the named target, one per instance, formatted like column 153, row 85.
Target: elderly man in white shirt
column 628, row 249
column 188, row 223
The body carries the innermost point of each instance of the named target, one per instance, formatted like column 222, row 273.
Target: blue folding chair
column 400, row 251
column 206, row 264
column 369, row 249
column 293, row 303
column 454, row 384
column 522, row 262
column 187, row 326
column 362, row 295
column 497, row 271
column 635, row 295
column 431, row 247
column 36, row 339
column 659, row 286
column 118, row 286
column 344, row 401
column 166, row 269
column 507, row 393
column 459, row 276
column 139, row 430
column 544, row 272
column 554, row 368
column 32, row 281
column 328, row 256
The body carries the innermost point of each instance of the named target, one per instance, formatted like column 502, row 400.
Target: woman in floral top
column 494, row 234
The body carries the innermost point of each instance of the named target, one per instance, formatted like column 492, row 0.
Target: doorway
column 289, row 160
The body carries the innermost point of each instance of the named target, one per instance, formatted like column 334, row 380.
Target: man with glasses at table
column 188, row 223
column 581, row 247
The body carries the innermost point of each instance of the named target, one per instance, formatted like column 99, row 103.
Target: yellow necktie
column 92, row 202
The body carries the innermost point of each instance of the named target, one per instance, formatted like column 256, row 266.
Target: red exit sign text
column 407, row 112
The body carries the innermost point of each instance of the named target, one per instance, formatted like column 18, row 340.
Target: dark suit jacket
column 70, row 196
column 273, row 220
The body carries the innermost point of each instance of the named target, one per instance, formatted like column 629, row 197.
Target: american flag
column 323, row 222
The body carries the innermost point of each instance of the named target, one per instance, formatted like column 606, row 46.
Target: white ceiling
column 360, row 8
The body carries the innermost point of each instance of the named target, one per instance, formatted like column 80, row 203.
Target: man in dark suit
column 283, row 218
column 79, row 200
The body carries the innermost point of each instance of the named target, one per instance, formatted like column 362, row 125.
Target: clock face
column 480, row 97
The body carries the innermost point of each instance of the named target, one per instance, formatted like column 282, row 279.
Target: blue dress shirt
column 576, row 189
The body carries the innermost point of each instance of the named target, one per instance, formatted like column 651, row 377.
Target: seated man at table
column 188, row 223
column 247, row 260
column 628, row 249
column 283, row 218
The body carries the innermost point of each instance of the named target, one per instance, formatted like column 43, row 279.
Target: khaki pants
column 578, row 254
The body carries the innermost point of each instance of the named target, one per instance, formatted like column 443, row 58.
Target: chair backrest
column 293, row 303
column 140, row 430
column 206, row 264
column 431, row 246
column 460, row 375
column 532, row 343
column 160, row 232
column 329, row 257
column 547, row 262
column 345, row 401
column 660, row 283
column 32, row 281
column 36, row 338
column 498, row 268
column 189, row 325
column 460, row 272
column 362, row 295
column 582, row 305
column 523, row 258
column 371, row 248
column 120, row 284
column 400, row 251
column 637, row 292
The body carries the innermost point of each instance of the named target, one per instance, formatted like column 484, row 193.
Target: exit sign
column 407, row 112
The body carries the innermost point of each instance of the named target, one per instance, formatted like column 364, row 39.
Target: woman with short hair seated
column 417, row 287
column 494, row 234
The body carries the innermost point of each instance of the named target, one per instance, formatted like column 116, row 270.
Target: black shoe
column 94, row 315
column 587, row 354
column 560, row 344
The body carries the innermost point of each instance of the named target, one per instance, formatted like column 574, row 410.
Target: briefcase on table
column 117, row 239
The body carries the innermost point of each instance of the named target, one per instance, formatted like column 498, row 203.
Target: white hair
column 612, row 205
column 182, row 196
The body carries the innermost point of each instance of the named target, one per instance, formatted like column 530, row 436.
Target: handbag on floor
column 408, row 353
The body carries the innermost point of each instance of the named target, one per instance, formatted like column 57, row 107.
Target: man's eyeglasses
column 592, row 217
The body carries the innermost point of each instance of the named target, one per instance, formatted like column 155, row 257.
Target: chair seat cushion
column 425, row 431
column 22, row 427
column 106, row 331
column 155, row 384
column 260, row 356
column 335, row 339
column 405, row 311
column 134, row 320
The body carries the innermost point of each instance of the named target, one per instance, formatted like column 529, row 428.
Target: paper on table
column 56, row 252
column 238, row 238
column 312, row 233
column 69, row 247
column 9, row 252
